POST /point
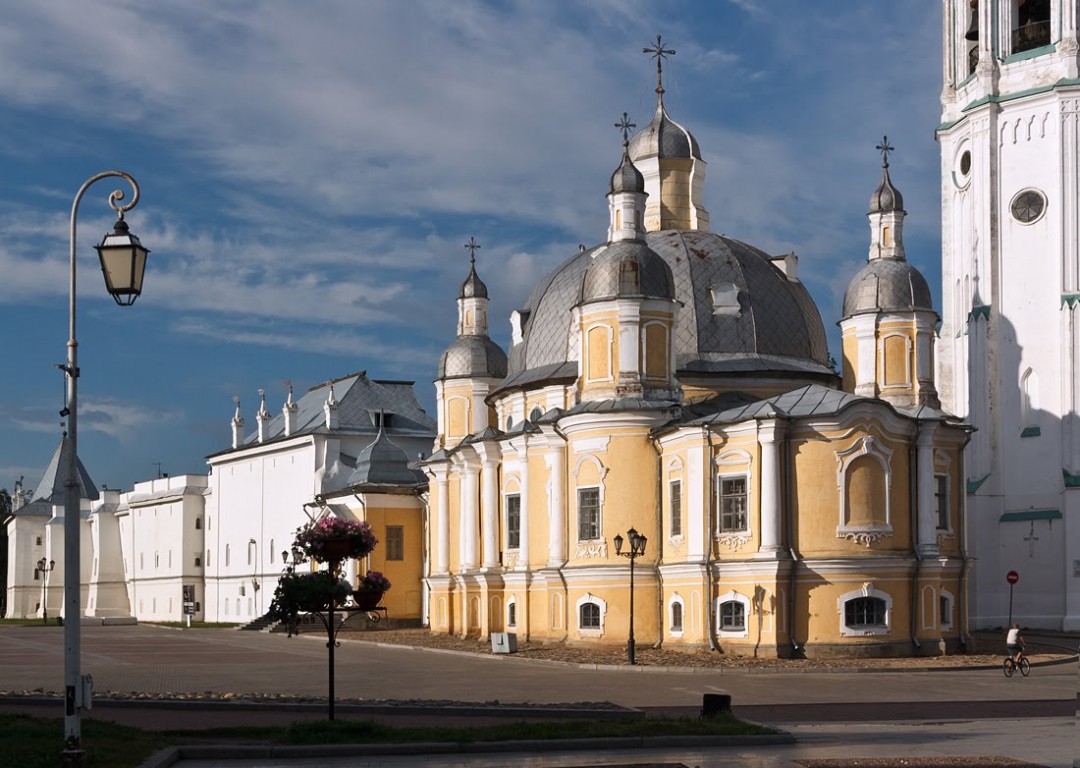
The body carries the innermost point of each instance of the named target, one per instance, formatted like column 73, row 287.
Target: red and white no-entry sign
column 1012, row 577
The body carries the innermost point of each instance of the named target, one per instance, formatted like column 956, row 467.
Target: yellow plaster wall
column 897, row 363
column 601, row 353
column 403, row 600
column 539, row 519
column 656, row 353
column 849, row 361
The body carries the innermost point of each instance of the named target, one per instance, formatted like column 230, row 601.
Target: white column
column 490, row 509
column 469, row 513
column 697, row 502
column 924, row 461
column 556, row 462
column 523, row 552
column 866, row 365
column 442, row 484
column 769, row 435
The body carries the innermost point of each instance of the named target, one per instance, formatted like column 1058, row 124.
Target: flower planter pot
column 368, row 599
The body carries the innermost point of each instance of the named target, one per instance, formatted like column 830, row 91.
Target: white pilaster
column 770, row 434
column 924, row 461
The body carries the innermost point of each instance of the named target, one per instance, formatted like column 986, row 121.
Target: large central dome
column 739, row 315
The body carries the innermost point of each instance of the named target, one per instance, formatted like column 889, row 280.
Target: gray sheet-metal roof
column 50, row 487
column 360, row 400
column 887, row 285
column 472, row 357
column 383, row 463
column 777, row 326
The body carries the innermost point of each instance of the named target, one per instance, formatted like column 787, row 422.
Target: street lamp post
column 43, row 567
column 637, row 549
column 123, row 262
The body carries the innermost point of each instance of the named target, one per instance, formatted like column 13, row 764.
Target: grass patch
column 36, row 742
column 27, row 623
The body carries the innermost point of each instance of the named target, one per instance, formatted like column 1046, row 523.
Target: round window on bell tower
column 1028, row 206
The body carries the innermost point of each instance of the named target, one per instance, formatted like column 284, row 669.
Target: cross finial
column 625, row 126
column 472, row 245
column 659, row 52
column 885, row 148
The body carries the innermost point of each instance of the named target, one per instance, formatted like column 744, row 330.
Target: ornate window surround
column 950, row 602
column 864, row 446
column 884, row 361
column 590, row 547
column 725, row 469
column 866, row 590
column 610, row 352
column 511, row 612
column 676, row 600
column 600, row 603
column 731, row 596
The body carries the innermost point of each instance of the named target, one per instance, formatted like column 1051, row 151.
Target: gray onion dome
column 663, row 138
column 627, row 178
column 473, row 287
column 887, row 285
column 625, row 269
column 886, row 197
column 472, row 357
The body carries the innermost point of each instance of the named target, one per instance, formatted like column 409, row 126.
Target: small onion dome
column 663, row 138
column 887, row 285
column 886, row 197
column 383, row 463
column 473, row 287
column 627, row 269
column 473, row 357
column 627, row 178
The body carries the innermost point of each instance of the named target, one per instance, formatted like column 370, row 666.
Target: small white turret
column 288, row 412
column 237, row 426
column 263, row 416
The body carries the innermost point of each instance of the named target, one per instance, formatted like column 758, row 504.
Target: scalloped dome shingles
column 887, row 285
column 778, row 327
column 472, row 356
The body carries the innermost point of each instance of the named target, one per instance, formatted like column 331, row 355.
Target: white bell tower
column 1009, row 347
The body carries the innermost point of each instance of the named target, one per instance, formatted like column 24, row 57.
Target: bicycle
column 1010, row 665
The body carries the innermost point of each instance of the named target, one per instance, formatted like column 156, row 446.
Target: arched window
column 198, row 523
column 590, row 612
column 509, row 423
column 511, row 613
column 1029, row 404
column 676, row 616
column 589, row 616
column 228, row 555
column 732, row 616
column 1031, row 25
column 535, row 414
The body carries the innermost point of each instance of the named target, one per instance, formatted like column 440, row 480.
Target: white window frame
column 600, row 603
column 947, row 597
column 675, row 531
column 867, row 590
column 720, row 479
column 941, row 502
column 506, row 520
column 865, row 446
column 676, row 600
column 599, row 513
column 732, row 596
column 511, row 613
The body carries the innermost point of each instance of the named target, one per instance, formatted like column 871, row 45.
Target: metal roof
column 887, row 285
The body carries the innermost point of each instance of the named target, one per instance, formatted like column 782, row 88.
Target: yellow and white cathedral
column 677, row 382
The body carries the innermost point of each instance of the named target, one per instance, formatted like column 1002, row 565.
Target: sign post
column 1012, row 577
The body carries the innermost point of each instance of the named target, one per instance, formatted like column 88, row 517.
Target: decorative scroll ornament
column 865, row 538
column 733, row 541
column 510, row 560
column 592, row 549
column 946, row 538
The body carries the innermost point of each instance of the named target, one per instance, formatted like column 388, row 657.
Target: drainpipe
column 659, row 548
column 710, row 618
column 913, row 521
column 566, row 503
column 790, row 533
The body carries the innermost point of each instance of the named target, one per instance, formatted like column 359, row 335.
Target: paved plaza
column 831, row 712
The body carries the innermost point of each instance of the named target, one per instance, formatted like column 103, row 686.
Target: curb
column 171, row 755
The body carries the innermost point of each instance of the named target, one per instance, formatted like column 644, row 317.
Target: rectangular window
column 676, row 508
column 395, row 542
column 732, row 504
column 513, row 521
column 865, row 612
column 588, row 513
column 941, row 501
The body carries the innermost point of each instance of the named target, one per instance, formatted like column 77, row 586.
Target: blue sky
column 311, row 171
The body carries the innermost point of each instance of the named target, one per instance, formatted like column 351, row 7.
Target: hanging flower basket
column 334, row 539
column 298, row 593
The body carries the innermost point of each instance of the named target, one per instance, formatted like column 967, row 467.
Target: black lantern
column 123, row 262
